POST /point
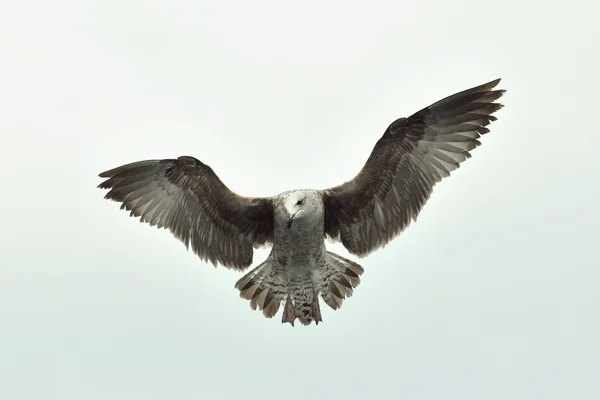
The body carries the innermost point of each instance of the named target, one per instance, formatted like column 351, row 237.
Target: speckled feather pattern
column 186, row 197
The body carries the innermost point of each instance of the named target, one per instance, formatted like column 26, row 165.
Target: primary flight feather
column 185, row 196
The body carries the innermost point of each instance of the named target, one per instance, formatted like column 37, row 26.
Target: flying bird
column 185, row 196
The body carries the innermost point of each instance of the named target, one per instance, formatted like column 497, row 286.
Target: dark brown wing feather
column 188, row 198
column 413, row 155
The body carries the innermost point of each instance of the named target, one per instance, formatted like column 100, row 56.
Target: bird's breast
column 294, row 248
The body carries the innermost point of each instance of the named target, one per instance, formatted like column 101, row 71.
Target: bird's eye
column 299, row 203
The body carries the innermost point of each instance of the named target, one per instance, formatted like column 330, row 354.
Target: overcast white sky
column 493, row 294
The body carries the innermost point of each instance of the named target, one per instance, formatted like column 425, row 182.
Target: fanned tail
column 267, row 285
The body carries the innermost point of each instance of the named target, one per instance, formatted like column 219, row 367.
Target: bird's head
column 304, row 209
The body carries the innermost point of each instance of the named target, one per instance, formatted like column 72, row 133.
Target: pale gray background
column 493, row 294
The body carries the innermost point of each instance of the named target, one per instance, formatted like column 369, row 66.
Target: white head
column 303, row 209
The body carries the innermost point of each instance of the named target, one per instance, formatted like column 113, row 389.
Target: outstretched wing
column 188, row 198
column 413, row 155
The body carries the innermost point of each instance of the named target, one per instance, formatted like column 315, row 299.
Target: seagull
column 185, row 196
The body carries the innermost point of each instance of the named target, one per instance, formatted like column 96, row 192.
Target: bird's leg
column 289, row 312
column 316, row 310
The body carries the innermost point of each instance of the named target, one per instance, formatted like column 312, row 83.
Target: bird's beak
column 290, row 220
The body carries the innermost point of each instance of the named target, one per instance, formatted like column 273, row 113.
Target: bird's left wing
column 413, row 155
column 188, row 198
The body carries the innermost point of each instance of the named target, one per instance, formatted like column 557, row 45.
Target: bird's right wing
column 188, row 198
column 413, row 155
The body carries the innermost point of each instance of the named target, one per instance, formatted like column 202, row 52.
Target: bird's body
column 185, row 196
column 299, row 267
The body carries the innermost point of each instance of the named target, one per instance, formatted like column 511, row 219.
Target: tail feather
column 338, row 279
column 303, row 299
column 267, row 285
column 264, row 286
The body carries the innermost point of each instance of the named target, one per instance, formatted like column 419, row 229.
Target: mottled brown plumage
column 187, row 197
column 413, row 155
